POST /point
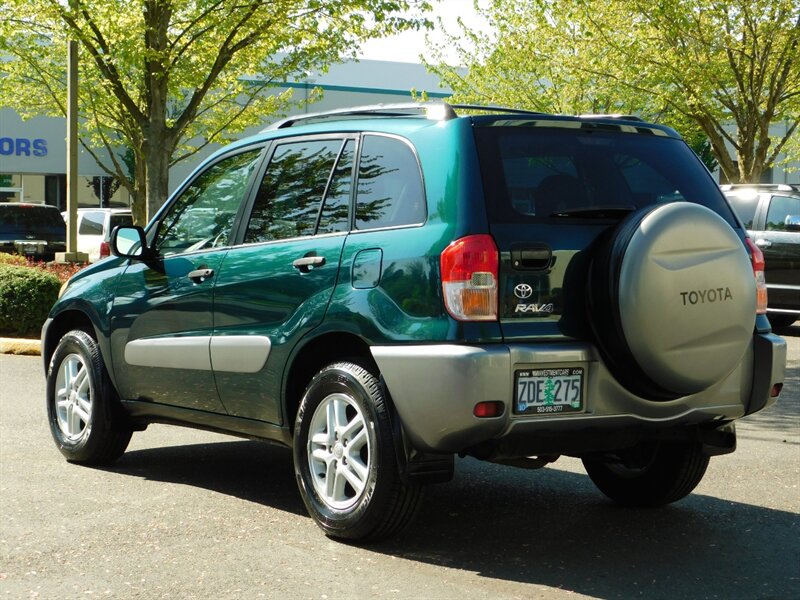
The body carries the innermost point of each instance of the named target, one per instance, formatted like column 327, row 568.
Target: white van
column 94, row 229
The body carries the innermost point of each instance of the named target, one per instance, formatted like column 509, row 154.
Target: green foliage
column 720, row 70
column 26, row 297
column 13, row 259
column 163, row 79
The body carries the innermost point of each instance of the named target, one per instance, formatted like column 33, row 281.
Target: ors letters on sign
column 22, row 147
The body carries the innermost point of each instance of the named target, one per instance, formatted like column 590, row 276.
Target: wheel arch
column 67, row 320
column 313, row 356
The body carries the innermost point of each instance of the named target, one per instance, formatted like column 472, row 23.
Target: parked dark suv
column 384, row 288
column 771, row 214
column 34, row 230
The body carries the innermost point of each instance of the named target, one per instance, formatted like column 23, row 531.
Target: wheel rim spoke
column 73, row 402
column 339, row 451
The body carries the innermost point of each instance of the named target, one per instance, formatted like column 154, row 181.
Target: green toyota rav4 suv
column 385, row 287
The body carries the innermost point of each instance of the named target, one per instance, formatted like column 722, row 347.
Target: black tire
column 83, row 409
column 366, row 500
column 781, row 321
column 652, row 474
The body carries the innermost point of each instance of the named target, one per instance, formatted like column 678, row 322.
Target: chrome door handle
column 305, row 264
column 201, row 275
column 762, row 243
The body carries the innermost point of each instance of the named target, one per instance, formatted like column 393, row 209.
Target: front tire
column 82, row 407
column 344, row 457
column 653, row 474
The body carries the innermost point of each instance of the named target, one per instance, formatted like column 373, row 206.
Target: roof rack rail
column 439, row 111
column 496, row 109
column 432, row 110
column 619, row 116
column 777, row 187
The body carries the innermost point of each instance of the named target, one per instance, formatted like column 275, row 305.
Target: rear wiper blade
column 596, row 212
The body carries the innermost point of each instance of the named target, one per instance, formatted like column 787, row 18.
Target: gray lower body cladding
column 436, row 387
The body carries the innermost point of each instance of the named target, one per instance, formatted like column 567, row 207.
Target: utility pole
column 72, row 254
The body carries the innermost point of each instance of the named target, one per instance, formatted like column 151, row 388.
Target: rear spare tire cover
column 672, row 300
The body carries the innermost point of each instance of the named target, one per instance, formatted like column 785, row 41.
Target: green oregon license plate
column 548, row 391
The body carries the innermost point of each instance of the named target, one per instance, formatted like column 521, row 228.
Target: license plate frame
column 549, row 391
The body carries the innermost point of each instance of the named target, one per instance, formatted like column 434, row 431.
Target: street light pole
column 72, row 255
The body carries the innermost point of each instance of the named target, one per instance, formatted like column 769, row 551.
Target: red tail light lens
column 469, row 278
column 105, row 249
column 757, row 258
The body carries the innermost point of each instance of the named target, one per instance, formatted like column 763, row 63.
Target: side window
column 389, row 190
column 290, row 195
column 781, row 207
column 91, row 224
column 335, row 215
column 202, row 217
column 745, row 207
column 122, row 220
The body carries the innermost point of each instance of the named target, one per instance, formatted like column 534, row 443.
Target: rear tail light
column 757, row 258
column 469, row 278
column 105, row 249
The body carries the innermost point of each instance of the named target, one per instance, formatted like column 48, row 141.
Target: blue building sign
column 23, row 147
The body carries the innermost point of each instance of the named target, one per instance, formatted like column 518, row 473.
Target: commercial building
column 33, row 152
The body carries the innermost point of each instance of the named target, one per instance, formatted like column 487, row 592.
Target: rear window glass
column 22, row 219
column 544, row 173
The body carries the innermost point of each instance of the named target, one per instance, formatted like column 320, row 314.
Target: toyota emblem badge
column 523, row 290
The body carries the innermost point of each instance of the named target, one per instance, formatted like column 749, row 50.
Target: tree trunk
column 157, row 179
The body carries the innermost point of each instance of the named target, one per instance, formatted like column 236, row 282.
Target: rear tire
column 344, row 457
column 781, row 321
column 651, row 474
column 83, row 409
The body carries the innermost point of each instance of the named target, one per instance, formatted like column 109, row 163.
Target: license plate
column 548, row 391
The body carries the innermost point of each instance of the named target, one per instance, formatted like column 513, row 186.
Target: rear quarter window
column 389, row 192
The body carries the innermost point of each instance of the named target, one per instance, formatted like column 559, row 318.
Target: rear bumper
column 436, row 387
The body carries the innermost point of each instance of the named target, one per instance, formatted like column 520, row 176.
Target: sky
column 408, row 46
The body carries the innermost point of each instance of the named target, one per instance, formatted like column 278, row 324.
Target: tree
column 161, row 79
column 103, row 188
column 726, row 68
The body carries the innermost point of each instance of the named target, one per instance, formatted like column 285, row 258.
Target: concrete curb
column 20, row 346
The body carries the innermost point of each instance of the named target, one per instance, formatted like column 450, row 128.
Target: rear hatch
column 555, row 185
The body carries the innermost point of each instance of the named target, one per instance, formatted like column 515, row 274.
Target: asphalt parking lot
column 190, row 514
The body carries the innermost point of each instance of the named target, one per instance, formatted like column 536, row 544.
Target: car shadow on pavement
column 784, row 415
column 550, row 527
column 253, row 471
column 553, row 528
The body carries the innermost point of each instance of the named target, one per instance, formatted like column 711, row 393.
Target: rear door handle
column 305, row 264
column 201, row 275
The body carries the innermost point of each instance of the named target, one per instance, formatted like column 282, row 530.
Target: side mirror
column 129, row 242
column 792, row 223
